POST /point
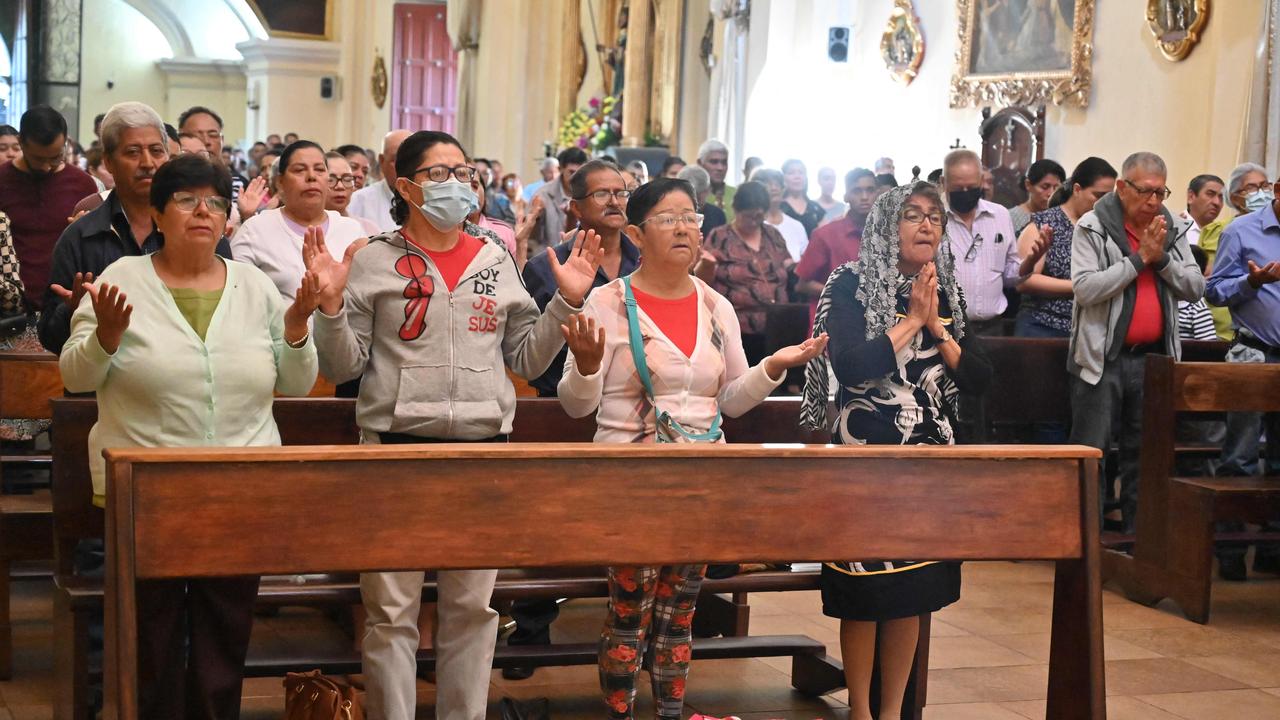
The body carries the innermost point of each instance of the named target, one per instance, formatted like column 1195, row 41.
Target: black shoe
column 1269, row 564
column 1232, row 568
column 517, row 673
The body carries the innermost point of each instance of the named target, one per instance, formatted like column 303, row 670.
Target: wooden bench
column 27, row 382
column 978, row 503
column 723, row 608
column 1173, row 553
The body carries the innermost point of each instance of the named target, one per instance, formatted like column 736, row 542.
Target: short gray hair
column 697, row 176
column 128, row 116
column 1236, row 179
column 1146, row 161
column 548, row 162
column 769, row 175
column 710, row 146
column 960, row 157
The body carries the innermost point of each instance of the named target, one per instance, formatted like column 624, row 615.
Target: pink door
column 424, row 70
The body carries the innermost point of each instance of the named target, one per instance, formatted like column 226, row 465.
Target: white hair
column 1145, row 161
column 1236, row 179
column 710, row 146
column 548, row 163
column 696, row 176
column 128, row 116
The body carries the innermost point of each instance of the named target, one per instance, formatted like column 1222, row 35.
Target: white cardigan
column 267, row 243
column 165, row 387
column 690, row 389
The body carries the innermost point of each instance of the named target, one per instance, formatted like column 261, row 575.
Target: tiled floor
column 988, row 661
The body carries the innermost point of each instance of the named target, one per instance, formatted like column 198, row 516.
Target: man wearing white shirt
column 982, row 242
column 373, row 202
column 1204, row 204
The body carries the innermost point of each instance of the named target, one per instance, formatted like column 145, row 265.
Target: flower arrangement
column 591, row 128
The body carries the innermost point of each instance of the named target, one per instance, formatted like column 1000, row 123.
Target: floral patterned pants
column 649, row 602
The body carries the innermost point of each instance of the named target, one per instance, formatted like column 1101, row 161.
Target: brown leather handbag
column 312, row 696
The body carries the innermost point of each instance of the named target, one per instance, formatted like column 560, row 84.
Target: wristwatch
column 944, row 337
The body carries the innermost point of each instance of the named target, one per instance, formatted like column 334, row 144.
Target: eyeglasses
column 347, row 181
column 1162, row 192
column 973, row 249
column 667, row 222
column 602, row 196
column 441, row 173
column 1253, row 187
column 187, row 202
column 917, row 217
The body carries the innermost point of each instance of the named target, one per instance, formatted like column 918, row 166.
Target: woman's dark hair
column 647, row 196
column 1088, row 172
column 186, row 173
column 407, row 159
column 751, row 195
column 7, row 130
column 286, row 157
column 1040, row 168
column 671, row 162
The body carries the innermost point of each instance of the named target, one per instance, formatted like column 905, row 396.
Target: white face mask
column 1258, row 199
column 445, row 205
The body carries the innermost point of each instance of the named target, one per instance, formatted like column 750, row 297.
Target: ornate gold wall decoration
column 1176, row 25
column 378, row 82
column 1042, row 57
column 902, row 45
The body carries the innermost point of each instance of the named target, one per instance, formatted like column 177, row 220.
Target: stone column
column 637, row 74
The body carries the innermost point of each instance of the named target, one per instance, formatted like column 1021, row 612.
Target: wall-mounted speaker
column 838, row 44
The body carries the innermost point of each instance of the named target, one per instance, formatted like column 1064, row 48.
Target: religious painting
column 1023, row 52
column 902, row 45
column 295, row 18
column 1176, row 25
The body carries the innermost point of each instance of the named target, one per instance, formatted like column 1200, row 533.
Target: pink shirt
column 504, row 231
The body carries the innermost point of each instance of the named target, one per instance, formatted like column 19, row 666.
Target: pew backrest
column 28, row 380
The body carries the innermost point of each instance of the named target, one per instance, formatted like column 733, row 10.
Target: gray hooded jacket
column 434, row 362
column 1103, row 270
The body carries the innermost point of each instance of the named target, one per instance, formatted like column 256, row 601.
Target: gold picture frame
column 1176, row 25
column 902, row 44
column 378, row 81
column 1005, row 60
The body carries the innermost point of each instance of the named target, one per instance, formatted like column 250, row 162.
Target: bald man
column 373, row 203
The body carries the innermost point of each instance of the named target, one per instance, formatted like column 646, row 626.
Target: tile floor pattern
column 989, row 657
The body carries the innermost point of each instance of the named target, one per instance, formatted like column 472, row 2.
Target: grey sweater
column 1103, row 270
column 434, row 361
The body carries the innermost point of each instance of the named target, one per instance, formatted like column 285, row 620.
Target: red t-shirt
column 1147, row 323
column 452, row 263
column 677, row 319
column 38, row 208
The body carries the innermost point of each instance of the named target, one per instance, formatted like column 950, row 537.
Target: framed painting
column 1176, row 25
column 1023, row 52
column 307, row 19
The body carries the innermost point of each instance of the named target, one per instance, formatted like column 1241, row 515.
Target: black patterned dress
column 888, row 398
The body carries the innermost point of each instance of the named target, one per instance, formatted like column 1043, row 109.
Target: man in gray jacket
column 1130, row 265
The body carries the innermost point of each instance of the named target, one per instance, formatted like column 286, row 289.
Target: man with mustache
column 598, row 198
column 38, row 192
column 135, row 145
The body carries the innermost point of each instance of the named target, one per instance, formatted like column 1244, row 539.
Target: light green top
column 196, row 306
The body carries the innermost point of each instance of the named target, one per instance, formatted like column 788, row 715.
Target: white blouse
column 268, row 243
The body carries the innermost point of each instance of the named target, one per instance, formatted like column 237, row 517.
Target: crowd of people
column 185, row 283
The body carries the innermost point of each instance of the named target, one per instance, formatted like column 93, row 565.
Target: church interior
column 1081, row 409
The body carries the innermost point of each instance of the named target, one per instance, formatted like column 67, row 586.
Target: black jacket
column 90, row 244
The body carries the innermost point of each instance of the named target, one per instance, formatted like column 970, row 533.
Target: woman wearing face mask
column 696, row 370
column 342, row 182
column 902, row 351
column 432, row 317
column 1046, row 293
column 272, row 239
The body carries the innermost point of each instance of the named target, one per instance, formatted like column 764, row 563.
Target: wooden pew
column 27, row 382
column 1173, row 552
column 979, row 503
column 724, row 605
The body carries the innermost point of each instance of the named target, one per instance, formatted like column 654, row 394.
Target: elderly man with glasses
column 1130, row 265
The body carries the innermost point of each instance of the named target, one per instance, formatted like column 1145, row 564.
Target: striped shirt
column 986, row 257
column 1195, row 322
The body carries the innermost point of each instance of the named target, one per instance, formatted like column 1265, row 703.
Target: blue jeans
column 1028, row 326
column 1240, row 450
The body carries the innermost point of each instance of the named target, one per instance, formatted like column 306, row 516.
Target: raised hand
column 113, row 311
column 576, row 275
column 585, row 341
column 330, row 273
column 1041, row 245
column 72, row 297
column 924, row 296
column 305, row 302
column 1259, row 276
column 251, row 197
column 1151, row 242
column 794, row 355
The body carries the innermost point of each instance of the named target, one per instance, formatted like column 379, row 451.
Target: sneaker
column 1232, row 568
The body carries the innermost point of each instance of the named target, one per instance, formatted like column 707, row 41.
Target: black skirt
column 871, row 597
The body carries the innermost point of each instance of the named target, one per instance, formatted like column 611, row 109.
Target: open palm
column 330, row 274
column 575, row 276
